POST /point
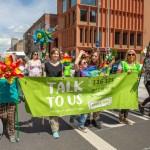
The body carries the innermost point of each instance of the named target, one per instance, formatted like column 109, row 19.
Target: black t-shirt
column 53, row 71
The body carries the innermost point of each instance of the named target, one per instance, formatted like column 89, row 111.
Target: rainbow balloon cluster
column 9, row 69
column 43, row 37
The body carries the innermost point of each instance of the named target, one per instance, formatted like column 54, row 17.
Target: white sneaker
column 12, row 139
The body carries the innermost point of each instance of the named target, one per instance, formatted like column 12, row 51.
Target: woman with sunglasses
column 53, row 68
column 129, row 65
column 34, row 66
column 80, row 64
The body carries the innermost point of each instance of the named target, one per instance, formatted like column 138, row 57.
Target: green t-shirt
column 126, row 67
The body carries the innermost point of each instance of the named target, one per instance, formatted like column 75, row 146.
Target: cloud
column 17, row 16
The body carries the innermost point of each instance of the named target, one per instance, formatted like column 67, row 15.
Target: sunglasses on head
column 131, row 54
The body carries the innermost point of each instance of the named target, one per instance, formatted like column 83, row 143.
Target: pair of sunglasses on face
column 131, row 54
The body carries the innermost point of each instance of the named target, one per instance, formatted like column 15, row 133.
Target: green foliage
column 114, row 52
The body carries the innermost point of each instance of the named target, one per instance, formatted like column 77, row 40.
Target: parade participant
column 96, row 61
column 23, row 67
column 80, row 64
column 53, row 68
column 129, row 65
column 9, row 94
column 34, row 66
column 146, row 70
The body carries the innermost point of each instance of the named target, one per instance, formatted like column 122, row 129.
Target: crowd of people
column 53, row 68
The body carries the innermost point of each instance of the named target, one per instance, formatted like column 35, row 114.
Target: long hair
column 126, row 57
column 98, row 63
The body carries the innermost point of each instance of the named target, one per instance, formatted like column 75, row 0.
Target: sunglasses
column 131, row 54
column 35, row 54
column 84, row 62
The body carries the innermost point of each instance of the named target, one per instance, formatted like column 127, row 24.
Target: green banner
column 49, row 96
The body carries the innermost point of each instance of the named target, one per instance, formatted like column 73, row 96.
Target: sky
column 16, row 16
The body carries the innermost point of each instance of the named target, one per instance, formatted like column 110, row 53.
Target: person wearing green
column 129, row 65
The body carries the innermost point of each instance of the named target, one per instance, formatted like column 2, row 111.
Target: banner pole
column 17, row 122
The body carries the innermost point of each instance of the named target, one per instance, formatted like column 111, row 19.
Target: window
column 89, row 2
column 80, row 35
column 92, row 16
column 117, row 37
column 132, row 39
column 125, row 38
column 91, row 36
column 74, row 17
column 138, row 39
column 85, row 35
column 73, row 2
column 83, row 15
column 64, row 5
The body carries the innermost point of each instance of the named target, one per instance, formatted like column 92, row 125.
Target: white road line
column 117, row 115
column 91, row 137
column 141, row 117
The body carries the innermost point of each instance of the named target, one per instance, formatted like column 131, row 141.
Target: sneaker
column 141, row 109
column 12, row 138
column 120, row 117
column 97, row 124
column 71, row 120
column 82, row 128
column 126, row 121
column 55, row 135
column 87, row 122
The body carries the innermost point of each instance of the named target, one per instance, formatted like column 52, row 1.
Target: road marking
column 91, row 137
column 141, row 117
column 117, row 115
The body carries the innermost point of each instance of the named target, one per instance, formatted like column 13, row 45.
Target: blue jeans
column 81, row 120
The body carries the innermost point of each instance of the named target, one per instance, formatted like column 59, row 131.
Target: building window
column 117, row 37
column 132, row 39
column 73, row 2
column 74, row 17
column 91, row 36
column 86, row 36
column 88, row 2
column 125, row 38
column 139, row 39
column 83, row 15
column 69, row 19
column 92, row 16
column 80, row 35
column 64, row 5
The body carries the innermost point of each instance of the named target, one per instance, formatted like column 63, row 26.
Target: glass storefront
column 88, row 2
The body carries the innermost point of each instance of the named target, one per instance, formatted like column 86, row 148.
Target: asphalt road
column 113, row 135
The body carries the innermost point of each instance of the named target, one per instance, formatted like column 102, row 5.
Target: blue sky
column 18, row 15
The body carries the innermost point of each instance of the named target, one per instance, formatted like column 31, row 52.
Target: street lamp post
column 98, row 25
column 108, row 23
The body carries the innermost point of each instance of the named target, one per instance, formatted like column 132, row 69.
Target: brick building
column 49, row 19
column 78, row 23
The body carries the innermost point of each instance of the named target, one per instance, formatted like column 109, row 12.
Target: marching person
column 146, row 70
column 129, row 65
column 53, row 68
column 80, row 64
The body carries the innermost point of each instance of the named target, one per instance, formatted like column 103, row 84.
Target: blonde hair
column 126, row 57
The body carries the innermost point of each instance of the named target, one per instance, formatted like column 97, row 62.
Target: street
column 37, row 136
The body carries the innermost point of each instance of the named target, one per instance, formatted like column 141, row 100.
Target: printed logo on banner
column 101, row 103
